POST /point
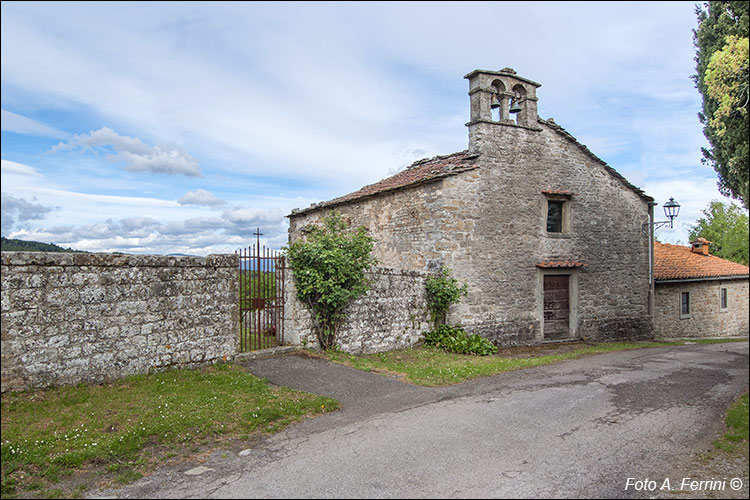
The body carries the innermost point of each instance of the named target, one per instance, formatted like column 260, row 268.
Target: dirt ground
column 546, row 349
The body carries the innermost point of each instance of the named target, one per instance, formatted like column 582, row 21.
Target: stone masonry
column 68, row 318
column 706, row 318
column 392, row 315
column 482, row 213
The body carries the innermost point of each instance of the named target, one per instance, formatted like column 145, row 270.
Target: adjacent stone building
column 547, row 236
column 699, row 294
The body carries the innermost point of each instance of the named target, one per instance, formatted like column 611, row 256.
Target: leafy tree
column 727, row 82
column 726, row 227
column 329, row 268
column 723, row 80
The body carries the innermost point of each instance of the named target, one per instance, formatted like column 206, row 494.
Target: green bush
column 455, row 339
column 329, row 268
column 442, row 292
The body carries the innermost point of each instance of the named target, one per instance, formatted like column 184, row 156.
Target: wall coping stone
column 387, row 271
column 114, row 260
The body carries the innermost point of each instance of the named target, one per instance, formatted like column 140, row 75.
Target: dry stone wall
column 68, row 318
column 392, row 315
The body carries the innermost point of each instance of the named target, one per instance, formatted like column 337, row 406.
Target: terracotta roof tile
column 419, row 172
column 679, row 262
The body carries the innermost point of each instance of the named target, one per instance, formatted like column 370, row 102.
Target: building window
column 723, row 299
column 557, row 209
column 554, row 216
column 685, row 304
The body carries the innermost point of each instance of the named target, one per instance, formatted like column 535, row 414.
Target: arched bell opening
column 498, row 102
column 518, row 105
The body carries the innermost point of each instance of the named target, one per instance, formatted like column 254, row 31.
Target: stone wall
column 392, row 315
column 68, row 318
column 706, row 319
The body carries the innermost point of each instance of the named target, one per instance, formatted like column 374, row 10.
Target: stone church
column 546, row 235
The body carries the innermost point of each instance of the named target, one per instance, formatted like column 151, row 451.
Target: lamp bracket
column 657, row 225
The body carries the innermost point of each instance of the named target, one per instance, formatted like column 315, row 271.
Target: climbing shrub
column 455, row 339
column 442, row 292
column 329, row 268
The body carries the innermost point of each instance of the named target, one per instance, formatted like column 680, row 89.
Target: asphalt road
column 578, row 429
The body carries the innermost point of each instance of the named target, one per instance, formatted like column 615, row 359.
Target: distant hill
column 11, row 245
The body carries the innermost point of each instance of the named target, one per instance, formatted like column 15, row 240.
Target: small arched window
column 498, row 102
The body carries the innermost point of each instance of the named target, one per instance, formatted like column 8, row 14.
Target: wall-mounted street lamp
column 671, row 210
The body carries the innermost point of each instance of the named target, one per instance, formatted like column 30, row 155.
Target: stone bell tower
column 500, row 99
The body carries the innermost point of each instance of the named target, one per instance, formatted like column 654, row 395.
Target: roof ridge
column 435, row 158
column 410, row 176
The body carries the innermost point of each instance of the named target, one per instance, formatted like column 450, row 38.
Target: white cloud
column 15, row 211
column 11, row 122
column 159, row 159
column 102, row 199
column 200, row 197
column 193, row 226
column 240, row 215
column 196, row 235
column 11, row 167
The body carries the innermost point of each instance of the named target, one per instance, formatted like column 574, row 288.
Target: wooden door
column 556, row 307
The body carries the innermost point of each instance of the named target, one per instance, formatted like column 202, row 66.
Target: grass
column 251, row 340
column 735, row 438
column 116, row 430
column 434, row 367
column 729, row 455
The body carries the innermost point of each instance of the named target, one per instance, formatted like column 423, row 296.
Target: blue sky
column 180, row 127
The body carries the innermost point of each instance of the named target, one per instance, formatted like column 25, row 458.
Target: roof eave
column 705, row 278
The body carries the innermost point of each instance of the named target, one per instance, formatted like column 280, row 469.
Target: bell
column 494, row 102
column 515, row 107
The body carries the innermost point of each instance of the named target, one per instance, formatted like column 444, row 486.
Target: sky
column 181, row 127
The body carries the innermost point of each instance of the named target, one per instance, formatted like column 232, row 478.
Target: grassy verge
column 434, row 367
column 728, row 458
column 115, row 431
column 735, row 439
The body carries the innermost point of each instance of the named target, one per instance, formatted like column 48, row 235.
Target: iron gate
column 261, row 298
